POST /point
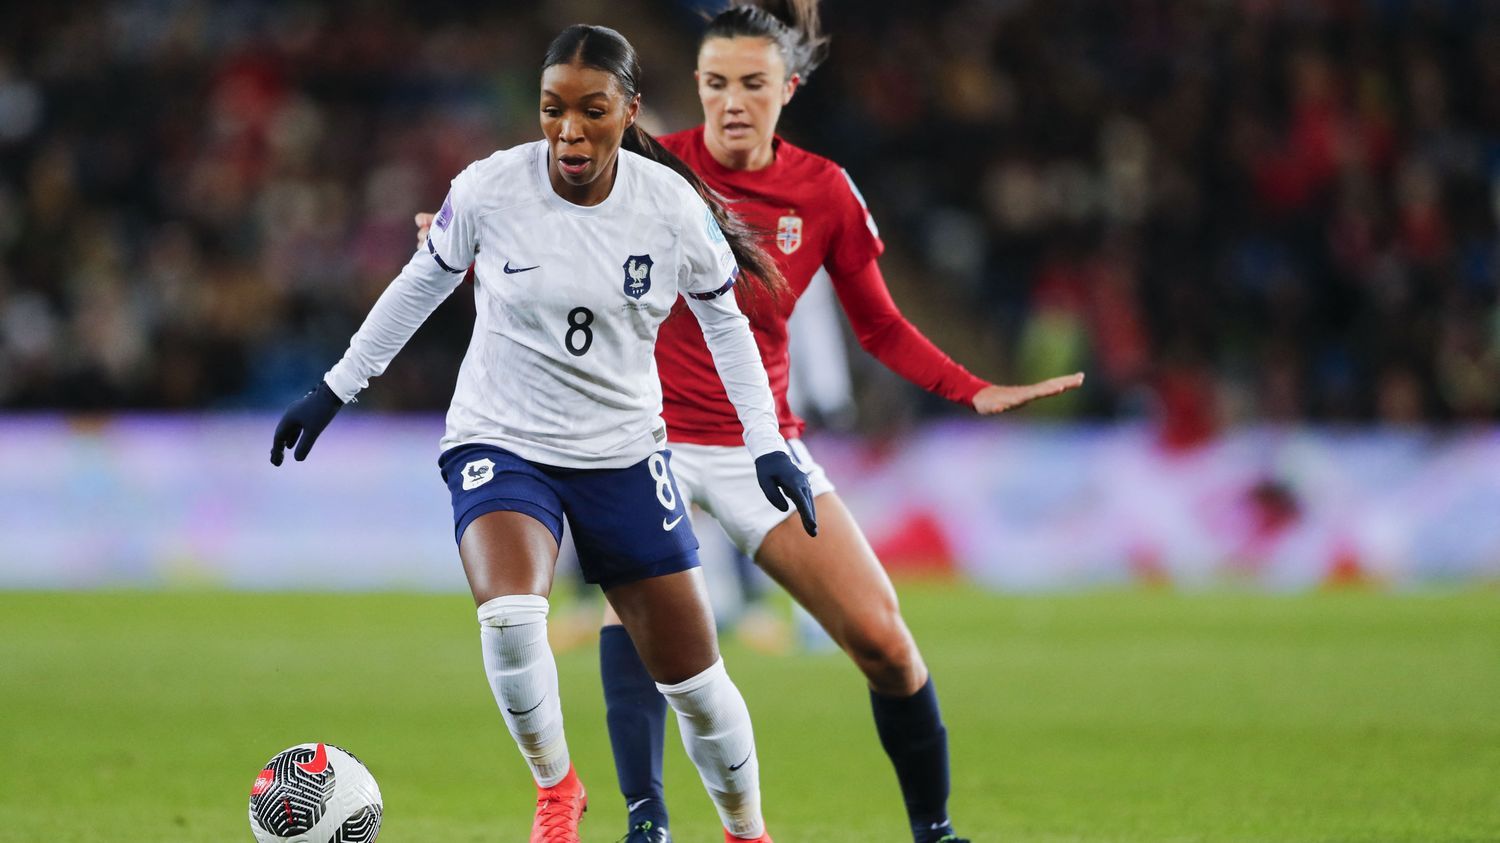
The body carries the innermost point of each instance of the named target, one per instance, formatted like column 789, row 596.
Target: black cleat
column 939, row 833
column 648, row 832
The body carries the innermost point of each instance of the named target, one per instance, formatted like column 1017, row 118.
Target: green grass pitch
column 1126, row 716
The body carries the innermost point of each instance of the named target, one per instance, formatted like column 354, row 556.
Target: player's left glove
column 304, row 420
column 777, row 474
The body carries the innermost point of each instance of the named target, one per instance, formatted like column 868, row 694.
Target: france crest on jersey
column 637, row 275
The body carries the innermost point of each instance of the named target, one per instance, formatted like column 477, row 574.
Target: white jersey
column 561, row 368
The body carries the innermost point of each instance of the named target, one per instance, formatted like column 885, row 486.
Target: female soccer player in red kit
column 750, row 63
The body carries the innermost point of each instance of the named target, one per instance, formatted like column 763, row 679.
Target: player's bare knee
column 886, row 654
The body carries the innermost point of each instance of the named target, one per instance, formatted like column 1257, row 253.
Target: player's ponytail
column 792, row 25
column 607, row 50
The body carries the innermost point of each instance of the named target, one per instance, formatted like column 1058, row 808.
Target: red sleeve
column 886, row 334
column 857, row 241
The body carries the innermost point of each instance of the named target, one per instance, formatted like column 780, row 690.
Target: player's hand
column 997, row 399
column 424, row 223
column 777, row 475
column 304, row 420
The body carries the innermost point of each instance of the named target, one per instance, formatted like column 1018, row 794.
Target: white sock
column 523, row 675
column 715, row 726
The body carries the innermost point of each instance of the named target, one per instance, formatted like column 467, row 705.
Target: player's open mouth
column 737, row 129
column 573, row 165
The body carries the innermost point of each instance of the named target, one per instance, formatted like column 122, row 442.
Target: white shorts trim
column 720, row 480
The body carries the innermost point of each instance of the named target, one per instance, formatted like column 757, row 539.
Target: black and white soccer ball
column 315, row 793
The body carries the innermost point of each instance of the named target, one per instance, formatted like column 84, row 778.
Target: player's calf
column 523, row 677
column 912, row 732
column 715, row 727
column 637, row 717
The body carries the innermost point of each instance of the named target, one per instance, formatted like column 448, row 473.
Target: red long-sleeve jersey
column 813, row 217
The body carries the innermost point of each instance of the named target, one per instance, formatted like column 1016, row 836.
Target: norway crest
column 637, row 275
column 788, row 234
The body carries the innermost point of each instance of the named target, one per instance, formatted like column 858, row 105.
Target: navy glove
column 305, row 418
column 777, row 474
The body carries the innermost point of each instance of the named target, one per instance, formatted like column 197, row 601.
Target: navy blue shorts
column 628, row 523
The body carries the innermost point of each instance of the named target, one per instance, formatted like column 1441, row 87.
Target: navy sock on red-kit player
column 637, row 715
column 912, row 732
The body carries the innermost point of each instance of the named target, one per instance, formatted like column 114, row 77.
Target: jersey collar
column 712, row 168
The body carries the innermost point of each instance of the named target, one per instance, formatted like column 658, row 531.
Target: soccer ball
column 315, row 793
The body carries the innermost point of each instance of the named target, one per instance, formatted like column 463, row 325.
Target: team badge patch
column 445, row 214
column 788, row 234
column 637, row 275
column 478, row 473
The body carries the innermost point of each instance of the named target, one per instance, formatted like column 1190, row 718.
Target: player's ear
column 632, row 110
column 792, row 83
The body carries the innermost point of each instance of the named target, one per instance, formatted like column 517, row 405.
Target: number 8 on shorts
column 664, row 492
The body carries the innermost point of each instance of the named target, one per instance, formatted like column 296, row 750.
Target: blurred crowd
column 1223, row 210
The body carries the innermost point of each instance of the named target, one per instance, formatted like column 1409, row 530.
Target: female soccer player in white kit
column 580, row 251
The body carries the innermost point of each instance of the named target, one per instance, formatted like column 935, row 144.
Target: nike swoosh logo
column 318, row 764
column 733, row 767
column 636, row 804
column 668, row 525
column 529, row 710
column 512, row 271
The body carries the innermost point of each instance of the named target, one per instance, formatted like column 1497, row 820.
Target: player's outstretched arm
column 996, row 398
column 883, row 331
column 303, row 421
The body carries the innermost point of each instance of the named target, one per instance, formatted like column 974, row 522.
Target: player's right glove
column 777, row 474
column 305, row 418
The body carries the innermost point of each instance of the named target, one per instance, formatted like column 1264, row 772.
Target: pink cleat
column 559, row 809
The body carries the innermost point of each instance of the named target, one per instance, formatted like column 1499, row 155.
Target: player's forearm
column 904, row 350
column 401, row 309
column 885, row 333
column 726, row 332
